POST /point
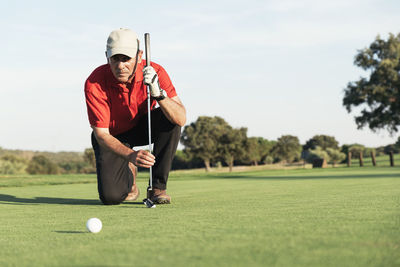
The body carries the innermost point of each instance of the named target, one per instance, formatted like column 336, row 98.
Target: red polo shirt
column 113, row 105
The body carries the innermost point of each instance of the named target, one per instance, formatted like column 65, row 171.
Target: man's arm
column 172, row 107
column 141, row 158
column 174, row 110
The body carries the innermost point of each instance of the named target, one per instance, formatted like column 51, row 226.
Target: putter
column 148, row 201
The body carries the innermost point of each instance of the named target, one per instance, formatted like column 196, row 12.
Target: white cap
column 122, row 41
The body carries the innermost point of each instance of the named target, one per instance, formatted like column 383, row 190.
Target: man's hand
column 142, row 158
column 151, row 79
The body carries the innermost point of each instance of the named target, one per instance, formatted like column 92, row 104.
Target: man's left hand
column 151, row 79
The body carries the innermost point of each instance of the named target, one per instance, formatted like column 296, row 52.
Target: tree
column 252, row 151
column 232, row 145
column 323, row 141
column 397, row 144
column 368, row 151
column 265, row 149
column 345, row 148
column 356, row 150
column 42, row 165
column 391, row 148
column 183, row 160
column 379, row 94
column 335, row 156
column 317, row 153
column 201, row 138
column 287, row 148
column 257, row 149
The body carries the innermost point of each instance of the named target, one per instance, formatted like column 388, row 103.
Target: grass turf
column 326, row 217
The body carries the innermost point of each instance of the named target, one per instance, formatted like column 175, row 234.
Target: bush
column 8, row 167
column 76, row 167
column 317, row 153
column 11, row 164
column 335, row 156
column 42, row 165
column 89, row 157
column 268, row 160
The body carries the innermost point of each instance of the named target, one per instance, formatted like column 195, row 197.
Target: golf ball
column 94, row 225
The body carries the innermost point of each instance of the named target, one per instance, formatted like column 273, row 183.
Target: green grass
column 29, row 180
column 302, row 217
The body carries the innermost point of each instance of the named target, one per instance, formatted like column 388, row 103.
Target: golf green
column 326, row 217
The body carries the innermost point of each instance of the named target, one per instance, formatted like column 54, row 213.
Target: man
column 116, row 101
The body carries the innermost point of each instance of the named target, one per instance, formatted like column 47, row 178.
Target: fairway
column 301, row 217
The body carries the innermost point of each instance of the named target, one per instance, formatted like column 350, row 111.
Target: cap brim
column 127, row 52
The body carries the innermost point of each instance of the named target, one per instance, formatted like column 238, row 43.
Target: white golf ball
column 94, row 225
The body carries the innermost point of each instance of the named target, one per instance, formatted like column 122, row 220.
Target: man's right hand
column 142, row 158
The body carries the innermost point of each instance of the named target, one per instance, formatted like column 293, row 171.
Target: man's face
column 123, row 67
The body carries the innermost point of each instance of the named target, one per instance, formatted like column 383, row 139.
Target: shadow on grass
column 9, row 199
column 71, row 232
column 287, row 177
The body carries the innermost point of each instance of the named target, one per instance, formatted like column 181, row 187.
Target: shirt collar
column 139, row 71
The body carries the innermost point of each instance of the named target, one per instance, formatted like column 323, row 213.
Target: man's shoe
column 158, row 196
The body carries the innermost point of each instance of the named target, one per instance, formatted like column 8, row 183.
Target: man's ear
column 140, row 54
column 108, row 60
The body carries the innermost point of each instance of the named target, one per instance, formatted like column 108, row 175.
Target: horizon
column 180, row 147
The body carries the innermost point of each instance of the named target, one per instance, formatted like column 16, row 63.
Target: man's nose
column 121, row 65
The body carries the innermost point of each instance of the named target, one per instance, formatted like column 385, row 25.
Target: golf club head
column 149, row 203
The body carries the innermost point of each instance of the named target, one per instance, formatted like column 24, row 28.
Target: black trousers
column 115, row 178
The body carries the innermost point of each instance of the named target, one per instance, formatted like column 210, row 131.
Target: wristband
column 163, row 95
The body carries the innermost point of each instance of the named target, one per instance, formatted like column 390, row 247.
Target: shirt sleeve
column 165, row 82
column 97, row 104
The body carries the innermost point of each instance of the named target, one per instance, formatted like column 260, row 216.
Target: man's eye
column 125, row 59
column 120, row 58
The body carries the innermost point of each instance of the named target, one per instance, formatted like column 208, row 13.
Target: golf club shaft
column 147, row 51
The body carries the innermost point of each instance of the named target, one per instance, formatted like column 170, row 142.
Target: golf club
column 148, row 201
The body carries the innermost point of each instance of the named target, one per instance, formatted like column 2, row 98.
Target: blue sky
column 275, row 67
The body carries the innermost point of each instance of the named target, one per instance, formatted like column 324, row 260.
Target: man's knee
column 112, row 198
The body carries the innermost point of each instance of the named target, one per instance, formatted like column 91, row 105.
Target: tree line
column 208, row 142
column 214, row 142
